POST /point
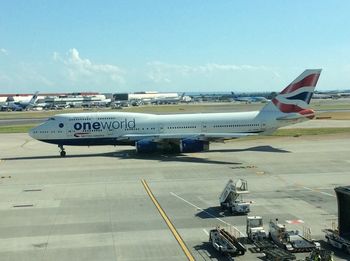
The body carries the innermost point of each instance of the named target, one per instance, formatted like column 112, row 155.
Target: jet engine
column 190, row 145
column 185, row 145
column 146, row 146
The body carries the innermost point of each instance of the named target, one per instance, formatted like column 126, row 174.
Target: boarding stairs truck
column 226, row 242
column 231, row 197
column 256, row 233
column 291, row 240
column 339, row 237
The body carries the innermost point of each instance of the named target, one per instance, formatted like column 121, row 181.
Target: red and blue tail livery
column 297, row 95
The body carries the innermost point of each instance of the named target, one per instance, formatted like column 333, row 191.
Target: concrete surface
column 320, row 124
column 91, row 205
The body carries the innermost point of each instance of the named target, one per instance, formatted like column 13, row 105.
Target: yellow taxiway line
column 168, row 222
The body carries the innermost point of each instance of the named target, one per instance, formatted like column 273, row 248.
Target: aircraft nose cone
column 31, row 133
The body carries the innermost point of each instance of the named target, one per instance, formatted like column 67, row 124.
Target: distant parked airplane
column 21, row 105
column 171, row 100
column 181, row 132
column 249, row 99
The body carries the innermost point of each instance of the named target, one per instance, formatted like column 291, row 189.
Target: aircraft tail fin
column 34, row 98
column 295, row 98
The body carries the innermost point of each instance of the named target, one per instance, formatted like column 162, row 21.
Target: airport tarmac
column 92, row 205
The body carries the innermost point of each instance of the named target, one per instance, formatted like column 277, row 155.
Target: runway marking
column 198, row 208
column 23, row 206
column 295, row 221
column 324, row 193
column 168, row 222
column 206, row 232
column 25, row 143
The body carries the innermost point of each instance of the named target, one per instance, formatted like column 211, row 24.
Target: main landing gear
column 62, row 152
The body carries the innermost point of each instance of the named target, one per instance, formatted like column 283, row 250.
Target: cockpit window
column 51, row 119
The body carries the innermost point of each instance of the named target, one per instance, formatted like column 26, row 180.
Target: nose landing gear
column 62, row 152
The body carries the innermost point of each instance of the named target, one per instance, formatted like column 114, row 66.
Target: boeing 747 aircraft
column 21, row 105
column 181, row 132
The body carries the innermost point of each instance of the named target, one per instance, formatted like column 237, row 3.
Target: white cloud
column 4, row 51
column 29, row 73
column 56, row 56
column 82, row 70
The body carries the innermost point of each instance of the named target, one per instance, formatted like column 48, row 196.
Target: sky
column 177, row 45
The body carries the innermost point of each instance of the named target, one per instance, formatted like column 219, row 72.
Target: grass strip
column 310, row 131
column 16, row 128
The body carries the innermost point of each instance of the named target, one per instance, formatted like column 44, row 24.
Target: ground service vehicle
column 255, row 228
column 291, row 240
column 231, row 197
column 256, row 233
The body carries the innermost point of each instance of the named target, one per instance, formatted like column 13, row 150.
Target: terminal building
column 144, row 95
column 76, row 100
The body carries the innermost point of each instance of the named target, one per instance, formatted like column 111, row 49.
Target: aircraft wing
column 178, row 136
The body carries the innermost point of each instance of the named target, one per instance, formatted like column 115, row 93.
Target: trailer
column 320, row 255
column 334, row 239
column 231, row 197
column 278, row 254
column 291, row 240
column 226, row 242
column 271, row 250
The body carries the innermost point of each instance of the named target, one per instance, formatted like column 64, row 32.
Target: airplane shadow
column 215, row 212
column 266, row 148
column 185, row 158
column 207, row 250
column 211, row 212
column 160, row 157
column 131, row 154
column 108, row 154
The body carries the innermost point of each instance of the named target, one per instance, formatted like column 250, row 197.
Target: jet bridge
column 343, row 197
column 340, row 237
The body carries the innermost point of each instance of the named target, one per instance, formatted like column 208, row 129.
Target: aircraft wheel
column 63, row 153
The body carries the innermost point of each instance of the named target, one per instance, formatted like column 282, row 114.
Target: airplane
column 21, row 105
column 150, row 133
column 171, row 100
column 249, row 99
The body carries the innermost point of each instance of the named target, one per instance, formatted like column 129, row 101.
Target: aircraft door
column 161, row 128
column 204, row 127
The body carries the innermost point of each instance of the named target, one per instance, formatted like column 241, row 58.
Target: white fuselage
column 108, row 127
